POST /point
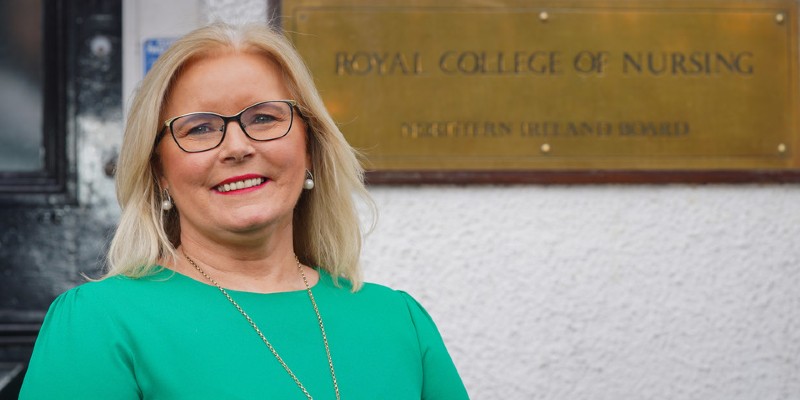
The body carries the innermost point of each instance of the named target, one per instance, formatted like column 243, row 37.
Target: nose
column 236, row 146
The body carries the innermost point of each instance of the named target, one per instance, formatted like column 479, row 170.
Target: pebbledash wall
column 603, row 292
column 595, row 292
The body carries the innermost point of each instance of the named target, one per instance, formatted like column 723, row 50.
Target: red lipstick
column 239, row 178
column 251, row 181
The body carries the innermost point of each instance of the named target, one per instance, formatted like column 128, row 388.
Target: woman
column 234, row 269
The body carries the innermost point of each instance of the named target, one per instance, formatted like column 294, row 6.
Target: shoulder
column 368, row 292
column 114, row 286
column 82, row 329
column 86, row 311
column 403, row 306
column 104, row 287
column 399, row 298
column 383, row 302
column 111, row 296
column 399, row 310
column 92, row 293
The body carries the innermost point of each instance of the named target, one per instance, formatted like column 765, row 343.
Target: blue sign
column 153, row 48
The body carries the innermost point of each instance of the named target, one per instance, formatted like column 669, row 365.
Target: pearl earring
column 167, row 204
column 309, row 182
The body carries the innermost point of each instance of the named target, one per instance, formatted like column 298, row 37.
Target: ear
column 310, row 146
column 155, row 166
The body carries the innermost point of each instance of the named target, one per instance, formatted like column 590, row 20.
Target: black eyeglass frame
column 227, row 119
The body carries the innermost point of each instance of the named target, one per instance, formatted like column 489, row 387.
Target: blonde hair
column 326, row 233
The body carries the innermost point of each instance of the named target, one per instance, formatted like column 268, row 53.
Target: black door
column 60, row 65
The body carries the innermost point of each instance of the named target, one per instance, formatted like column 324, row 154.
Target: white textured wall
column 597, row 292
column 603, row 292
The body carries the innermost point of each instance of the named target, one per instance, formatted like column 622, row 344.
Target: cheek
column 291, row 153
column 287, row 164
column 179, row 170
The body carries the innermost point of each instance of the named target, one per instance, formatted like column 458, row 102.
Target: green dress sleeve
column 440, row 379
column 80, row 353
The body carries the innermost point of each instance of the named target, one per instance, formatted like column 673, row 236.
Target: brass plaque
column 558, row 85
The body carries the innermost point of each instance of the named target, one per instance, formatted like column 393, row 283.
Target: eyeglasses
column 202, row 131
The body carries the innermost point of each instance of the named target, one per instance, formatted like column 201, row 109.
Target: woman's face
column 225, row 84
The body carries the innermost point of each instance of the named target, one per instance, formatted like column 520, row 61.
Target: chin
column 255, row 223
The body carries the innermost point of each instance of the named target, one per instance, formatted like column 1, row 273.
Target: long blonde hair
column 327, row 232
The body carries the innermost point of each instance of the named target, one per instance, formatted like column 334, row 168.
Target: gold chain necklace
column 264, row 338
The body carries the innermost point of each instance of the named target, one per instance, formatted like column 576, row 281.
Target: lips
column 237, row 183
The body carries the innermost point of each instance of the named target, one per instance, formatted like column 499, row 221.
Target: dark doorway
column 64, row 61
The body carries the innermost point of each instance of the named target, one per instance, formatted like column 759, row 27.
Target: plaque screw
column 545, row 148
column 543, row 16
column 781, row 148
column 779, row 18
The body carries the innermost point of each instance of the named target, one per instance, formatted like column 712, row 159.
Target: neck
column 262, row 266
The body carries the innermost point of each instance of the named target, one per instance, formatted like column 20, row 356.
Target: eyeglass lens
column 204, row 131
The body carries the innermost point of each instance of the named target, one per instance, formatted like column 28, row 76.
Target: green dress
column 168, row 336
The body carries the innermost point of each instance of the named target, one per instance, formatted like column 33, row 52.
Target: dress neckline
column 166, row 274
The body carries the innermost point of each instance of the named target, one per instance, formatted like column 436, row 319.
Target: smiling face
column 243, row 186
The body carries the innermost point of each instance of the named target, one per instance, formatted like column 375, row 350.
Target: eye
column 197, row 125
column 199, row 129
column 260, row 119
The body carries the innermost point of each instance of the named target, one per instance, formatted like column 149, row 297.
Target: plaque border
column 579, row 177
column 278, row 19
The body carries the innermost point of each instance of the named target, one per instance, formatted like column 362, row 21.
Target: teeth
column 240, row 185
